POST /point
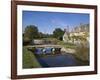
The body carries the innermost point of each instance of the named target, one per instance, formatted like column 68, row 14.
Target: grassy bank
column 82, row 54
column 29, row 59
column 67, row 45
column 81, row 62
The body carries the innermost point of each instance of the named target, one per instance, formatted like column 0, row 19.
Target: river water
column 57, row 60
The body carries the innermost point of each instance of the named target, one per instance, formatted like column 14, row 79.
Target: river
column 58, row 60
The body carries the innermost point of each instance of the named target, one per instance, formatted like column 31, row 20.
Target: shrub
column 31, row 49
column 82, row 52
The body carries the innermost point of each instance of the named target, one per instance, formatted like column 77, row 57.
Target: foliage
column 26, row 40
column 82, row 38
column 32, row 49
column 82, row 28
column 82, row 52
column 41, row 35
column 31, row 32
column 58, row 33
column 47, row 36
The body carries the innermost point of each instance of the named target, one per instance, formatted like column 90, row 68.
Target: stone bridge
column 43, row 46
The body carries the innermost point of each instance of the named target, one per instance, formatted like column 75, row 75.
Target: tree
column 41, row 35
column 58, row 33
column 31, row 32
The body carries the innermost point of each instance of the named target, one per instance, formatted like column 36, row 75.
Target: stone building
column 76, row 36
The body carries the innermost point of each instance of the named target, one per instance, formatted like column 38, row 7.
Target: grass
column 82, row 52
column 67, row 45
column 81, row 62
column 29, row 59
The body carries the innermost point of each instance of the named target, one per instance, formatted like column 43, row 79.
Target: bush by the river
column 82, row 52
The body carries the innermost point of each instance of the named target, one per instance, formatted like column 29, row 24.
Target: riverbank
column 68, row 50
column 29, row 59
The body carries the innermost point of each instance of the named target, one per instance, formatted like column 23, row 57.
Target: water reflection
column 58, row 60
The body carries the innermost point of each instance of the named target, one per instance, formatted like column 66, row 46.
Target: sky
column 48, row 21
